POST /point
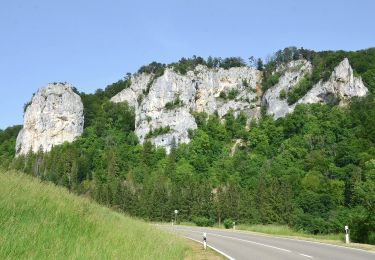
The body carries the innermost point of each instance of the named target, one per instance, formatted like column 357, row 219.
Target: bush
column 299, row 90
column 362, row 227
column 158, row 131
column 282, row 94
column 228, row 223
column 232, row 94
column 177, row 102
column 223, row 95
column 270, row 80
column 153, row 68
column 203, row 222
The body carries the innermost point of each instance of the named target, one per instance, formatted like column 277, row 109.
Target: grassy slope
column 39, row 220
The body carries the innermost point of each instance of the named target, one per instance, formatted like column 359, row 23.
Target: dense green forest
column 313, row 170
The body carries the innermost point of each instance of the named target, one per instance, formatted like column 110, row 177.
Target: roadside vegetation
column 42, row 221
column 313, row 171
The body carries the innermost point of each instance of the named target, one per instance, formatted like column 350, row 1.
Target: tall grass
column 42, row 221
column 284, row 230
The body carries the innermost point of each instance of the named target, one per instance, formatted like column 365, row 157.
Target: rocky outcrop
column 54, row 116
column 341, row 85
column 291, row 73
column 169, row 101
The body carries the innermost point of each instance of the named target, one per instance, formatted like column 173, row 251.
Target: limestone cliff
column 342, row 85
column 169, row 100
column 55, row 115
column 165, row 105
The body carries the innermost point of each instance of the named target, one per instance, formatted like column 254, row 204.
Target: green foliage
column 232, row 94
column 312, row 170
column 63, row 225
column 7, row 144
column 26, row 105
column 270, row 80
column 200, row 118
column 188, row 64
column 283, row 94
column 153, row 68
column 177, row 102
column 140, row 99
column 299, row 90
column 228, row 223
column 231, row 62
column 223, row 95
column 117, row 87
column 158, row 131
column 203, row 222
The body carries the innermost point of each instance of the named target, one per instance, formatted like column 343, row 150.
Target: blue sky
column 92, row 43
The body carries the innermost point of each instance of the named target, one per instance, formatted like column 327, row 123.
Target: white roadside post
column 346, row 234
column 234, row 225
column 175, row 216
column 204, row 241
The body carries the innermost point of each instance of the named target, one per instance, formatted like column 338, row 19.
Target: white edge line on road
column 309, row 256
column 243, row 240
column 287, row 238
column 217, row 250
column 293, row 239
column 249, row 241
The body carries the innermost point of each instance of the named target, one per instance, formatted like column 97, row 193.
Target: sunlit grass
column 42, row 221
column 284, row 230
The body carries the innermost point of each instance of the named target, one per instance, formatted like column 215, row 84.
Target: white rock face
column 198, row 91
column 54, row 116
column 291, row 74
column 342, row 84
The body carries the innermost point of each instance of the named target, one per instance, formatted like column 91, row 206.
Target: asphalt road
column 243, row 245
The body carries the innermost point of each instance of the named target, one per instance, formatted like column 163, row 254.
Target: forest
column 313, row 170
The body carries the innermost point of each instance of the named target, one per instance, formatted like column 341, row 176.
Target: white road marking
column 252, row 242
column 243, row 240
column 214, row 248
column 309, row 256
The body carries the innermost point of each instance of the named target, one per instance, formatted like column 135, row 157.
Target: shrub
column 26, row 105
column 299, row 90
column 270, row 81
column 282, row 94
column 158, row 131
column 228, row 223
column 140, row 99
column 203, row 222
column 177, row 102
column 153, row 68
column 223, row 95
column 232, row 94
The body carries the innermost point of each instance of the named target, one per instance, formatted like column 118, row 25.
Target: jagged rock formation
column 342, row 84
column 291, row 73
column 54, row 116
column 169, row 100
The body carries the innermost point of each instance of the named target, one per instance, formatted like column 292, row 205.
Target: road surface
column 244, row 245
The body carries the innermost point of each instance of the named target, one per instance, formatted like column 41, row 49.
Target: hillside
column 294, row 147
column 42, row 221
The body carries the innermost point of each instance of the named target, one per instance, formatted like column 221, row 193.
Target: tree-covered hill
column 313, row 170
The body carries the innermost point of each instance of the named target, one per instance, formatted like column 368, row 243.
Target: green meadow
column 42, row 221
